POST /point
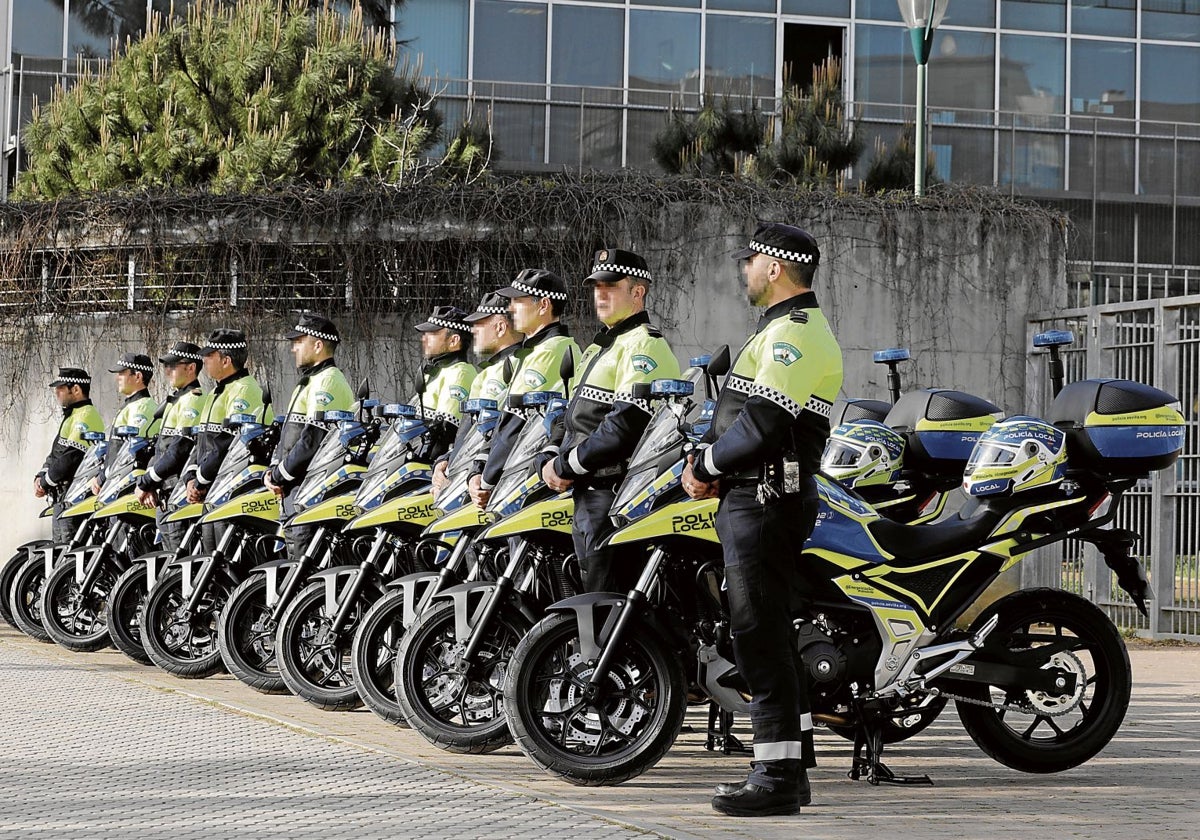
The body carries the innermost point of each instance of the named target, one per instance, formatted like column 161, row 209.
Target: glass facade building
column 1091, row 105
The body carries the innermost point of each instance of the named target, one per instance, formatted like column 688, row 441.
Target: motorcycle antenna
column 1052, row 340
column 892, row 357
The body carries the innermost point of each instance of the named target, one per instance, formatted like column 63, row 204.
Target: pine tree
column 893, row 168
column 236, row 97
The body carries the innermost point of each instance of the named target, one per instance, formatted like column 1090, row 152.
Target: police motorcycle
column 316, row 630
column 76, row 591
column 24, row 575
column 325, row 498
column 905, row 458
column 179, row 622
column 1041, row 678
column 438, row 559
column 450, row 664
column 127, row 599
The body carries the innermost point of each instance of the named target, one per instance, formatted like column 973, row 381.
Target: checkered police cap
column 783, row 242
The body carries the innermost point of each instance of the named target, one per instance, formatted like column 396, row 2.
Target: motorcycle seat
column 913, row 544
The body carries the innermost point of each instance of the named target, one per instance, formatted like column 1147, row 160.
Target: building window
column 437, row 29
column 883, row 68
column 879, row 10
column 1170, row 83
column 818, row 8
column 1102, row 78
column 740, row 56
column 587, row 65
column 1038, row 15
column 664, row 71
column 744, row 5
column 1033, row 74
column 1171, row 20
column 38, row 30
column 1104, row 17
column 510, row 51
column 971, row 13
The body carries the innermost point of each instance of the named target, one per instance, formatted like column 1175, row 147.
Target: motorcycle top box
column 941, row 426
column 1117, row 427
column 847, row 411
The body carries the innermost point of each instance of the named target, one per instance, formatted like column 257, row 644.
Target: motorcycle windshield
column 118, row 476
column 234, row 473
column 521, row 463
column 81, row 485
column 458, row 471
column 398, row 447
column 178, row 497
column 327, row 469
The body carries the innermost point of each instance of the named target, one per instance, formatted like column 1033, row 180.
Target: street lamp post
column 922, row 18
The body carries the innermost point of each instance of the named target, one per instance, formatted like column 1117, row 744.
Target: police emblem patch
column 80, row 428
column 533, row 379
column 458, row 392
column 324, row 398
column 643, row 364
column 493, row 388
column 602, row 256
column 189, row 414
column 239, row 406
column 784, row 353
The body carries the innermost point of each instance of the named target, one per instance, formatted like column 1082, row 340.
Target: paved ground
column 94, row 745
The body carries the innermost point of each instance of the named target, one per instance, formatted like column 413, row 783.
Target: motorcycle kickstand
column 720, row 732
column 870, row 739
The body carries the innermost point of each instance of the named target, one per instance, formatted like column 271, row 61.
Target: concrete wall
column 954, row 286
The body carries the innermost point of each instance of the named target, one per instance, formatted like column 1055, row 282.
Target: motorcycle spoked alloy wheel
column 74, row 617
column 313, row 660
column 1040, row 733
column 25, row 598
column 179, row 642
column 616, row 735
column 246, row 636
column 8, row 573
column 373, row 656
column 455, row 705
column 123, row 613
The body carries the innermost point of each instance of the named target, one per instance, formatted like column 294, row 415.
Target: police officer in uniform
column 604, row 422
column 180, row 414
column 133, row 374
column 537, row 299
column 72, row 390
column 447, row 374
column 236, row 392
column 322, row 387
column 770, row 425
column 494, row 342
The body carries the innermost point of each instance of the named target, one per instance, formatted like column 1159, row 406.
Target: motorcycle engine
column 833, row 658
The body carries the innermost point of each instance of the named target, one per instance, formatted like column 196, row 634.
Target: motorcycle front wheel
column 74, row 617
column 314, row 661
column 25, row 598
column 8, row 573
column 1037, row 732
column 373, row 656
column 602, row 739
column 455, row 705
column 180, row 642
column 123, row 613
column 246, row 637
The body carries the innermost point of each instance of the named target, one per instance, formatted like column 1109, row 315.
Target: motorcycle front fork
column 630, row 610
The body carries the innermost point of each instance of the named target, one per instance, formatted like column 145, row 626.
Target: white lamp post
column 922, row 18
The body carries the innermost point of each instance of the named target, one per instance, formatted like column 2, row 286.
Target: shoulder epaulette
column 800, row 316
column 654, row 331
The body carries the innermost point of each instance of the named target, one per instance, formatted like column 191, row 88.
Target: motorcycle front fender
column 471, row 601
column 419, row 589
column 339, row 579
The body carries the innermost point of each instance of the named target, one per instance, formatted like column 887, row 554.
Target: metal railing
column 1156, row 342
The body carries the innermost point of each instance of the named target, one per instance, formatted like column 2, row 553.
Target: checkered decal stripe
column 138, row 366
column 819, row 406
column 227, row 345
column 315, row 333
column 588, row 392
column 458, row 326
column 627, row 397
column 622, row 269
column 779, row 253
column 73, row 380
column 753, row 389
column 493, row 310
column 183, row 354
column 531, row 290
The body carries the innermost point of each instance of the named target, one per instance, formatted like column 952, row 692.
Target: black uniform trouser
column 602, row 568
column 296, row 537
column 172, row 532
column 762, row 543
column 62, row 529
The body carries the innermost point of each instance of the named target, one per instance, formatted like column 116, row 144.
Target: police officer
column 604, row 422
column 768, row 430
column 447, row 374
column 494, row 341
column 537, row 299
column 72, row 389
column 322, row 387
column 133, row 374
column 180, row 414
column 236, row 392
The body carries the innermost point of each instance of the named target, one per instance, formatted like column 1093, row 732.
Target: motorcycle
column 179, row 623
column 250, row 618
column 76, row 593
column 23, row 577
column 596, row 692
column 315, row 634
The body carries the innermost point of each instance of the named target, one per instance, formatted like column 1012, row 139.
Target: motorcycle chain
column 1007, row 707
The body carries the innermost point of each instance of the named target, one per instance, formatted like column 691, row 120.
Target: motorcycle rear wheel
column 373, row 656
column 72, row 617
column 123, row 613
column 606, row 741
column 1051, row 733
column 246, row 637
column 458, row 709
column 25, row 598
column 181, row 644
column 313, row 661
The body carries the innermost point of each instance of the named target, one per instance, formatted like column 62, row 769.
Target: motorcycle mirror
column 718, row 365
column 510, row 367
column 566, row 372
column 364, row 389
column 266, row 391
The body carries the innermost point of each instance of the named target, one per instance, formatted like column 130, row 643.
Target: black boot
column 751, row 800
